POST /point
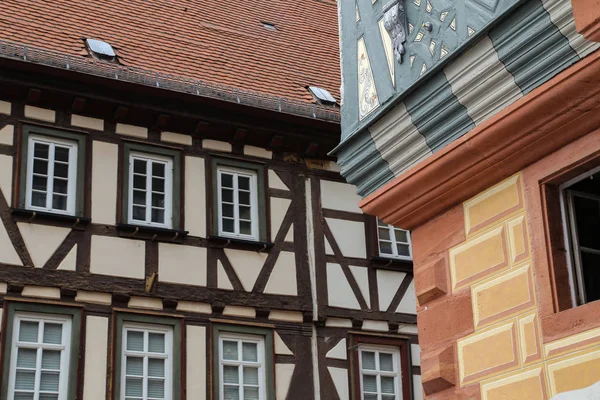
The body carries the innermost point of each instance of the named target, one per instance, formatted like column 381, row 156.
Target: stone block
column 508, row 294
column 525, row 384
column 518, row 239
column 529, row 334
column 453, row 313
column 494, row 204
column 438, row 371
column 431, row 282
column 489, row 352
column 478, row 257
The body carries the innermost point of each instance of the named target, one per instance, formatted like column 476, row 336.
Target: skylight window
column 321, row 95
column 101, row 49
column 269, row 26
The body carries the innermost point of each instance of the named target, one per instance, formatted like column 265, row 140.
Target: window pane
column 51, row 360
column 134, row 366
column 403, row 250
column 156, row 368
column 370, row 397
column 387, row 385
column 47, row 396
column 26, row 396
column 230, row 374
column 139, row 213
column 139, row 182
column 250, row 393
column 24, row 380
column 368, row 360
column 588, row 220
column 401, row 236
column 250, row 352
column 227, row 195
column 227, row 210
column 49, row 381
column 26, row 358
column 38, row 199
column 156, row 388
column 228, row 225
column 230, row 350
column 591, row 275
column 158, row 185
column 60, row 186
column 244, row 212
column 244, row 183
column 384, row 233
column 28, row 331
column 226, row 180
column 40, row 167
column 231, row 393
column 369, row 383
column 250, row 376
column 385, row 247
column 61, row 170
column 133, row 387
column 61, row 153
column 245, row 228
column 388, row 397
column 386, row 362
column 135, row 341
column 158, row 170
column 244, row 198
column 156, row 342
column 158, row 200
column 40, row 150
column 39, row 183
column 139, row 197
column 59, row 202
column 158, row 216
column 139, row 167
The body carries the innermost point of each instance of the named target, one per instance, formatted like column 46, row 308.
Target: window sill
column 151, row 232
column 235, row 243
column 32, row 216
column 397, row 264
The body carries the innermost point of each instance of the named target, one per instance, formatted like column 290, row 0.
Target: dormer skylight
column 100, row 49
column 322, row 96
column 269, row 26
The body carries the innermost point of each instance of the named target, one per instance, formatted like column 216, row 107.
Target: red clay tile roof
column 220, row 42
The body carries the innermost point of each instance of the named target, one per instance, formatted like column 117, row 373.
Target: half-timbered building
column 171, row 226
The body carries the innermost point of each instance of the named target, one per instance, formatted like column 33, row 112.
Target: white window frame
column 150, row 159
column 168, row 356
column 253, row 202
column 240, row 338
column 64, row 348
column 396, row 374
column 72, row 174
column 392, row 231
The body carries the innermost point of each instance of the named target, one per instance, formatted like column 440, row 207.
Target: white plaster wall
column 41, row 240
column 339, row 196
column 279, row 346
column 42, row 114
column 6, row 175
column 408, row 305
column 5, row 107
column 7, row 135
column 8, row 255
column 195, row 196
column 275, row 181
column 415, row 354
column 132, row 130
column 349, row 236
column 223, row 281
column 283, row 277
column 279, row 208
column 41, row 291
column 216, row 145
column 388, row 283
column 340, row 381
column 104, row 182
column 182, row 264
column 96, row 344
column 339, row 292
column 283, row 378
column 247, row 265
column 118, row 257
column 196, row 362
column 87, row 122
column 257, row 152
column 362, row 280
column 172, row 137
column 69, row 263
column 417, row 387
column 339, row 351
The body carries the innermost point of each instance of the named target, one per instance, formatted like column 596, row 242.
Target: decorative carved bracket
column 394, row 21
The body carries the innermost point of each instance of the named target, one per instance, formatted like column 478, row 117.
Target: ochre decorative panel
column 478, row 257
column 529, row 335
column 574, row 371
column 518, row 238
column 572, row 343
column 488, row 352
column 503, row 296
column 525, row 384
column 494, row 204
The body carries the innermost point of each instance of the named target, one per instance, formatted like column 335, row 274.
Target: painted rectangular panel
column 182, row 264
column 529, row 384
column 574, row 371
column 349, row 236
column 196, row 362
column 96, row 353
column 339, row 196
column 105, row 162
column 118, row 257
column 195, row 196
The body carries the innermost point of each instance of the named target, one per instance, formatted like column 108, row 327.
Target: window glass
column 379, row 373
column 241, row 363
column 39, row 357
column 393, row 242
column 146, row 362
column 237, row 203
column 150, row 190
column 51, row 175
